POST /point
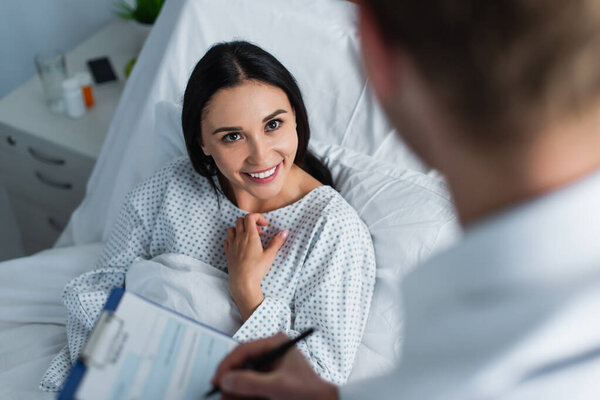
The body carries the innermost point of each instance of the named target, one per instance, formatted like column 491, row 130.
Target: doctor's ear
column 380, row 57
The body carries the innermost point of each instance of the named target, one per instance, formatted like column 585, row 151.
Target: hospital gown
column 323, row 276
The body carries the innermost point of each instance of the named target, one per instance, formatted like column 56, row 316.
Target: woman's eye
column 274, row 124
column 231, row 137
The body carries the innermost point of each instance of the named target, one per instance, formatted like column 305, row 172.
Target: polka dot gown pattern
column 322, row 277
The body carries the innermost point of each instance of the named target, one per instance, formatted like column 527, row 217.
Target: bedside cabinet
column 47, row 158
column 45, row 183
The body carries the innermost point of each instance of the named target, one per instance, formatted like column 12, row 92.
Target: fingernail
column 284, row 234
column 227, row 382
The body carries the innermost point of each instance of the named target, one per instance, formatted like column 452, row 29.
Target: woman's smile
column 264, row 176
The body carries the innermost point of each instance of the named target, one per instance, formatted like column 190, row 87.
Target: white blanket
column 32, row 314
column 201, row 292
column 187, row 286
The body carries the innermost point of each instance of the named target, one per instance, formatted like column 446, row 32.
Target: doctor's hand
column 291, row 377
column 248, row 262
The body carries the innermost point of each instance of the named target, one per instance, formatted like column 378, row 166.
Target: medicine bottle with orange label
column 85, row 80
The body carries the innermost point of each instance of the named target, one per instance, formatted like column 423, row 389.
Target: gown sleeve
column 85, row 295
column 333, row 295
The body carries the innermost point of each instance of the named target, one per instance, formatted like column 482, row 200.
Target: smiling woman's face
column 250, row 132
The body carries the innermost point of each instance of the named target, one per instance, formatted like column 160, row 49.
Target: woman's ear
column 206, row 153
column 379, row 58
column 294, row 116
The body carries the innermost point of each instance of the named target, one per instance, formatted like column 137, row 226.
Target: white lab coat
column 510, row 312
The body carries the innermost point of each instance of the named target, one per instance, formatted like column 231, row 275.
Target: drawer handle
column 57, row 226
column 50, row 182
column 44, row 158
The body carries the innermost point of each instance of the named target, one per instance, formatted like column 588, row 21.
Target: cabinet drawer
column 39, row 228
column 44, row 155
column 8, row 142
column 51, row 188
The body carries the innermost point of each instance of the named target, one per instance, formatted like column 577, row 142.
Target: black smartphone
column 102, row 71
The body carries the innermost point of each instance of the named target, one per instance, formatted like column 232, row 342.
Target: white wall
column 30, row 26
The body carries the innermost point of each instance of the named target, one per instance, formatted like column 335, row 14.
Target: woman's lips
column 266, row 179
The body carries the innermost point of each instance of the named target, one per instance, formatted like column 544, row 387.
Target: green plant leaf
column 123, row 10
column 145, row 11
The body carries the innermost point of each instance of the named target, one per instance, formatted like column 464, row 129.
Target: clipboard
column 139, row 349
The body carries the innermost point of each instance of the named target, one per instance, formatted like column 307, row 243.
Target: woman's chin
column 266, row 194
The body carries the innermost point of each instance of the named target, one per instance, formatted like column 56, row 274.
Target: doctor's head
column 492, row 74
column 244, row 118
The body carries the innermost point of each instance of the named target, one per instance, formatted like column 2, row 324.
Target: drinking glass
column 52, row 70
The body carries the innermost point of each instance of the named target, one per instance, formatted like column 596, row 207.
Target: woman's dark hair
column 227, row 65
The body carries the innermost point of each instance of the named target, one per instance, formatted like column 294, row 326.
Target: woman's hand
column 248, row 262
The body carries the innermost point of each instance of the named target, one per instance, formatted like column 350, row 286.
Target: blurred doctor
column 502, row 97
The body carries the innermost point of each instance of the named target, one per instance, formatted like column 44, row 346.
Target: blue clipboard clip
column 99, row 350
column 105, row 342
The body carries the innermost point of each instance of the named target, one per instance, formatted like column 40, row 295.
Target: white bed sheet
column 32, row 315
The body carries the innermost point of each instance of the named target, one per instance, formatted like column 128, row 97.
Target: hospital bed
column 405, row 205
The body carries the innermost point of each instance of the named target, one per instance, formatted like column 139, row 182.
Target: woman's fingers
column 230, row 234
column 255, row 221
column 230, row 238
column 261, row 220
column 239, row 224
column 276, row 243
column 252, row 223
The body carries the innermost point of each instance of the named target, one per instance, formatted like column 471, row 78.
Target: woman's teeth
column 265, row 174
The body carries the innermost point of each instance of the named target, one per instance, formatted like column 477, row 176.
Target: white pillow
column 410, row 216
column 408, row 213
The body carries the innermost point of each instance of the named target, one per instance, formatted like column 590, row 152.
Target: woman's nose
column 258, row 152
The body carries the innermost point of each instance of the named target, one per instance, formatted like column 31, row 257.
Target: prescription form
column 149, row 352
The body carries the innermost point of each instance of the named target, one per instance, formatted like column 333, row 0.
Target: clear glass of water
column 52, row 70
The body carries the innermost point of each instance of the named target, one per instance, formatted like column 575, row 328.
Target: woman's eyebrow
column 227, row 129
column 237, row 128
column 268, row 117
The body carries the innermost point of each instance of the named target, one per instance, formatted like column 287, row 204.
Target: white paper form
column 153, row 353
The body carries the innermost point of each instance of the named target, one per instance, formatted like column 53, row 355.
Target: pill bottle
column 74, row 106
column 85, row 80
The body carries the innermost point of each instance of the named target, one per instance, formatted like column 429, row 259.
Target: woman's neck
column 298, row 184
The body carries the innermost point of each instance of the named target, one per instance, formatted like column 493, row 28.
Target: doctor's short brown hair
column 501, row 66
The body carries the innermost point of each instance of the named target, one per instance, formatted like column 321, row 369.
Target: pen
column 268, row 357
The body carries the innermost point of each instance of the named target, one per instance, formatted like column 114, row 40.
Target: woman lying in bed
column 251, row 201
